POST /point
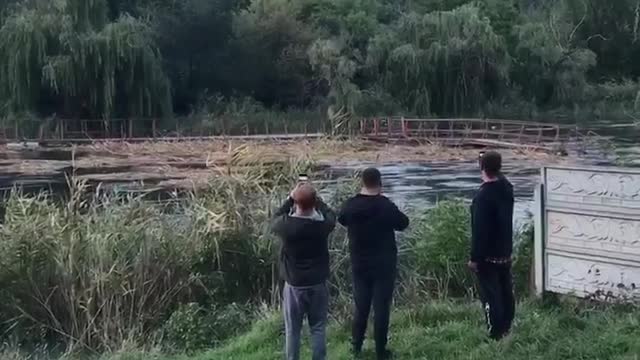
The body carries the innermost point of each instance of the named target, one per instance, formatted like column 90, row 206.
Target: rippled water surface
column 421, row 185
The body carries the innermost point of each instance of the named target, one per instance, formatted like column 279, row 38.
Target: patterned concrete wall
column 588, row 233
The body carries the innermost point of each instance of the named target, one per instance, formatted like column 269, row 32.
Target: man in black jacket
column 371, row 220
column 304, row 223
column 491, row 245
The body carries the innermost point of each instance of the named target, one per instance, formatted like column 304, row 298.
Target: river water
column 415, row 186
column 422, row 185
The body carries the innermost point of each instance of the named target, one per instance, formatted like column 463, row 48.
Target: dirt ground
column 189, row 164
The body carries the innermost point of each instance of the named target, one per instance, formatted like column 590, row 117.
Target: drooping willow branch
column 68, row 50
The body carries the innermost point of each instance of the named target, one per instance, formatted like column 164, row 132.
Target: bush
column 439, row 242
column 439, row 250
column 522, row 259
column 192, row 327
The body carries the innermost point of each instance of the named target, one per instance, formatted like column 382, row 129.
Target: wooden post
column 362, row 126
column 405, row 129
column 521, row 133
column 153, row 127
column 539, row 135
column 63, row 124
column 451, row 130
column 376, row 126
column 389, row 120
column 130, row 127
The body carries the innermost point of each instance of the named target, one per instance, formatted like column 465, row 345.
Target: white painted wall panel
column 605, row 236
column 583, row 187
column 590, row 221
column 592, row 278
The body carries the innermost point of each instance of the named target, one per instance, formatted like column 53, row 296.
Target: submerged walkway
column 495, row 133
column 471, row 132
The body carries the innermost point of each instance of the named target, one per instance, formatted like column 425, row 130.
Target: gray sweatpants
column 311, row 302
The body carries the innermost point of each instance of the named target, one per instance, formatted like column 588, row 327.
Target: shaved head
column 305, row 197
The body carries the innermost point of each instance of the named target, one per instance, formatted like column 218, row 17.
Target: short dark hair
column 371, row 178
column 491, row 163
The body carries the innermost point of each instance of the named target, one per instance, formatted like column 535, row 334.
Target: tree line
column 150, row 58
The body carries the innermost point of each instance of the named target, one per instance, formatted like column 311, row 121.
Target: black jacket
column 304, row 255
column 371, row 222
column 492, row 221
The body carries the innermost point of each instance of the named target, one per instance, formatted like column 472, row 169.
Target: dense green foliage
column 114, row 58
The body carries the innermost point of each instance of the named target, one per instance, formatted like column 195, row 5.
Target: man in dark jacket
column 371, row 220
column 304, row 223
column 491, row 245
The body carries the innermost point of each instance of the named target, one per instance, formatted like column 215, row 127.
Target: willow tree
column 330, row 59
column 446, row 62
column 66, row 56
column 552, row 62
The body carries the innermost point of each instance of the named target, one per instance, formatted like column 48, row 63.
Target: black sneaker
column 385, row 355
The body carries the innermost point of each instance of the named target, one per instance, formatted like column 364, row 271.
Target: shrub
column 522, row 259
column 439, row 249
column 192, row 327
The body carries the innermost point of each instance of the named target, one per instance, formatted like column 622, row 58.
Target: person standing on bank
column 371, row 220
column 304, row 223
column 492, row 243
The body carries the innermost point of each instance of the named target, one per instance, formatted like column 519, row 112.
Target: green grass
column 454, row 331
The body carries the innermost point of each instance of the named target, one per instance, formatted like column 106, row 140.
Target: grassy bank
column 447, row 330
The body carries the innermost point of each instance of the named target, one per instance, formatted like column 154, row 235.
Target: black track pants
column 496, row 293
